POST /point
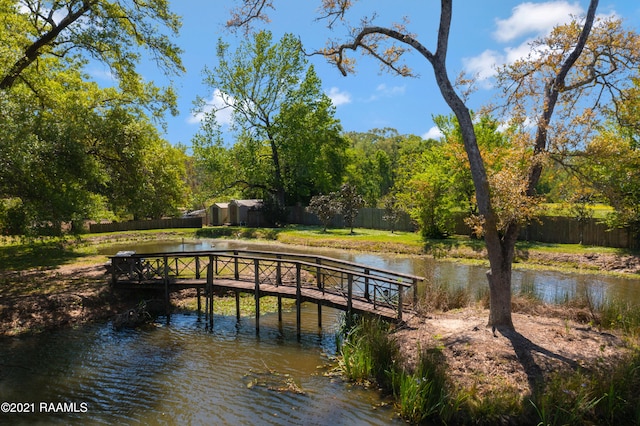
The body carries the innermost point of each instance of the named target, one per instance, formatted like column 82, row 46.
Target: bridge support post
column 256, row 266
column 198, row 294
column 399, row 303
column 209, row 292
column 298, row 301
column 238, row 306
column 279, row 309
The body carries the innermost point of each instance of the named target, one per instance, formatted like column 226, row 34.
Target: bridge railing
column 350, row 280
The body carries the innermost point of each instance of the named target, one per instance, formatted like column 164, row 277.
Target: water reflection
column 184, row 373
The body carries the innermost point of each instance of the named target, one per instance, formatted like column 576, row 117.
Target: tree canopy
column 73, row 149
column 288, row 144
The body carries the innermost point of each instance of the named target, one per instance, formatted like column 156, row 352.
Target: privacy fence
column 133, row 225
column 547, row 229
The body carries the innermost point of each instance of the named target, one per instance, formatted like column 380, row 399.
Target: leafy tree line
column 289, row 148
column 72, row 149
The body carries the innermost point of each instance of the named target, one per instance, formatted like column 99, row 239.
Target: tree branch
column 33, row 51
column 552, row 90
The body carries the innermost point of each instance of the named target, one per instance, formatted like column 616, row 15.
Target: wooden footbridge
column 325, row 281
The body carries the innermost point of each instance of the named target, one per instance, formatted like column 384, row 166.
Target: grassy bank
column 529, row 255
column 426, row 394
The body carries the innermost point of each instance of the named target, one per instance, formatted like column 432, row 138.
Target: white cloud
column 483, row 65
column 103, row 74
column 339, row 97
column 433, row 133
column 529, row 21
column 535, row 19
column 383, row 91
column 220, row 103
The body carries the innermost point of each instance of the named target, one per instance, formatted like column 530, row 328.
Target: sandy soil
column 76, row 294
column 488, row 360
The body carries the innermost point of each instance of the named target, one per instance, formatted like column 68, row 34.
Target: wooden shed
column 239, row 211
column 219, row 213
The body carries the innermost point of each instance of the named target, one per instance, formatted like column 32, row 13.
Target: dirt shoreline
column 545, row 341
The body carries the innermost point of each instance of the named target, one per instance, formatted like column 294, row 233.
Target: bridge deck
column 307, row 294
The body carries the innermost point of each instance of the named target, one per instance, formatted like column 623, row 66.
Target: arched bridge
column 352, row 287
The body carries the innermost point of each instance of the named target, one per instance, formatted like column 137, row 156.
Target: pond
column 181, row 372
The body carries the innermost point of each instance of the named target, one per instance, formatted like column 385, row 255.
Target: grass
column 599, row 211
column 425, row 395
column 609, row 397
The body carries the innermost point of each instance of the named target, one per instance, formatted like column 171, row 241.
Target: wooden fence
column 370, row 218
column 136, row 225
column 568, row 230
column 546, row 229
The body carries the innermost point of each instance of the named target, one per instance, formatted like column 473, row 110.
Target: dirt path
column 58, row 297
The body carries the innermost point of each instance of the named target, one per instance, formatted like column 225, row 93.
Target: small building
column 243, row 212
column 219, row 213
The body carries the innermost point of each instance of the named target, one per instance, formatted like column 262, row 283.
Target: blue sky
column 484, row 34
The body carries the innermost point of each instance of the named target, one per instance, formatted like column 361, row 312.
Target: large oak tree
column 71, row 148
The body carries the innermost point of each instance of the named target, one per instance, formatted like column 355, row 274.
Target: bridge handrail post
column 349, row 293
column 278, row 270
column 209, row 291
column 367, row 271
column 236, row 274
column 165, row 259
column 415, row 292
column 319, row 274
column 198, row 267
column 114, row 274
column 165, row 267
column 399, row 302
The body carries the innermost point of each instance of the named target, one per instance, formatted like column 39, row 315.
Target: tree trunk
column 501, row 252
column 279, row 182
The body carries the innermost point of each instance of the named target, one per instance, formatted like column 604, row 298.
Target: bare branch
column 250, row 11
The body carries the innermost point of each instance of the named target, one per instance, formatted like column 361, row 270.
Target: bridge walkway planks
column 307, row 294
